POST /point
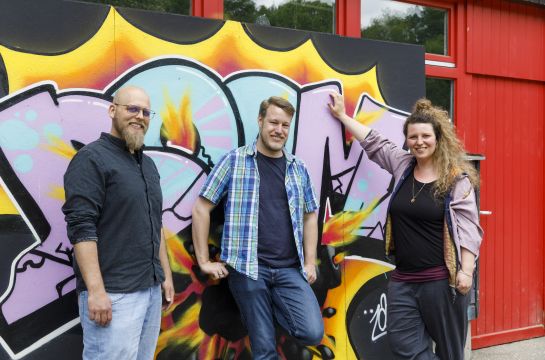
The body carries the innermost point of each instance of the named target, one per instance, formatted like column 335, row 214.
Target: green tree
column 438, row 91
column 419, row 25
column 425, row 26
column 303, row 15
column 295, row 14
column 240, row 10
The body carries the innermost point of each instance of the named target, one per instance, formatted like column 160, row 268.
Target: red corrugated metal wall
column 506, row 124
column 505, row 38
column 502, row 115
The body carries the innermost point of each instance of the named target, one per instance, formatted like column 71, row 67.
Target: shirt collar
column 119, row 143
column 251, row 150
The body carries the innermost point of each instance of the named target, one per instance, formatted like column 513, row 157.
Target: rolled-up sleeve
column 84, row 186
column 384, row 152
column 465, row 216
column 311, row 203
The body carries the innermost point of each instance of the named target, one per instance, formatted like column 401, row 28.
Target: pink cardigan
column 462, row 227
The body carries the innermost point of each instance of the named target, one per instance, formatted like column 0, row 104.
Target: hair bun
column 422, row 105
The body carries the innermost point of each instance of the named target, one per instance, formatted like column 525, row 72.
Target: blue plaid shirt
column 236, row 175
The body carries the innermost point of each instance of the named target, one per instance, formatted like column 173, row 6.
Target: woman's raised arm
column 338, row 110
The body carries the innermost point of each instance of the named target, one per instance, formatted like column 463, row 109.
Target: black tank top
column 417, row 227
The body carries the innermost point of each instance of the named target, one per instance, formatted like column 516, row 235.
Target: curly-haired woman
column 432, row 227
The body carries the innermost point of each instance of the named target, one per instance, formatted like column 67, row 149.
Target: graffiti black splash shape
column 366, row 320
column 52, row 28
column 359, row 55
column 31, row 328
column 15, row 237
column 219, row 314
column 179, row 29
column 277, row 39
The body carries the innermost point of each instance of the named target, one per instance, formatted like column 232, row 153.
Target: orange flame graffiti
column 185, row 331
column 337, row 259
column 57, row 192
column 58, row 146
column 365, row 118
column 178, row 125
column 338, row 230
column 180, row 260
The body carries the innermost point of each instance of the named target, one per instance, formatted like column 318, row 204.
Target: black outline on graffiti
column 36, row 222
column 390, row 188
column 23, row 198
column 29, row 209
column 222, row 83
column 205, row 169
column 36, row 218
column 3, row 78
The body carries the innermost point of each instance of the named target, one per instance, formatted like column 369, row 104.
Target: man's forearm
column 310, row 237
column 200, row 231
column 163, row 257
column 87, row 257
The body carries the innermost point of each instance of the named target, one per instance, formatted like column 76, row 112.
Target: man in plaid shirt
column 270, row 234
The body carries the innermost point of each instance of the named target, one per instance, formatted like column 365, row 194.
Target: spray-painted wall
column 60, row 64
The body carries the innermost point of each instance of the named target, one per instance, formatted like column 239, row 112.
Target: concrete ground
column 533, row 349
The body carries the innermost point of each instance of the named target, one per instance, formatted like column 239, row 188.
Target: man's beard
column 133, row 139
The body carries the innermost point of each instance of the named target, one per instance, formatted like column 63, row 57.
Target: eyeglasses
column 135, row 110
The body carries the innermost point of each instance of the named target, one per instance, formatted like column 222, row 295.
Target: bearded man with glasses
column 113, row 215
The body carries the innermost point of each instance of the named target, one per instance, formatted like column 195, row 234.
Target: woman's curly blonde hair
column 449, row 157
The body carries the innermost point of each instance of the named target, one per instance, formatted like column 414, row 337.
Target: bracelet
column 466, row 274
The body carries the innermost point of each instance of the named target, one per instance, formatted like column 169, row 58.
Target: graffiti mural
column 206, row 79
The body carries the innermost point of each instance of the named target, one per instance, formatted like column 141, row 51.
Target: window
column 313, row 15
column 440, row 93
column 406, row 23
column 171, row 6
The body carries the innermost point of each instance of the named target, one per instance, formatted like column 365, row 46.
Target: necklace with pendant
column 413, row 199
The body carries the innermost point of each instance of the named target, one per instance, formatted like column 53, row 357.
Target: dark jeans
column 421, row 312
column 282, row 295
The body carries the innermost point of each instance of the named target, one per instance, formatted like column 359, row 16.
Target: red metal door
column 506, row 124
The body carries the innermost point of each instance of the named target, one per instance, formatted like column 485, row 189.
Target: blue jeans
column 282, row 295
column 133, row 331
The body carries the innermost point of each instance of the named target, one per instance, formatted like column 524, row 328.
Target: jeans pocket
column 116, row 297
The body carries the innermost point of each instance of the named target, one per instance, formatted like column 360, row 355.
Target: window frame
column 212, row 9
column 442, row 66
column 453, row 92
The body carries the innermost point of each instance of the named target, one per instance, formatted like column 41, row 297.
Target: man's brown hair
column 276, row 101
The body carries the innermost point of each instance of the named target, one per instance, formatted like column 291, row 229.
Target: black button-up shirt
column 114, row 198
